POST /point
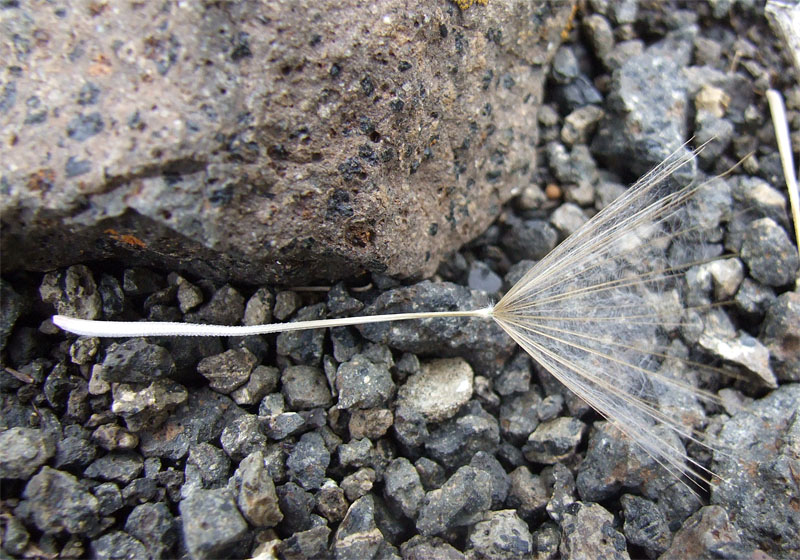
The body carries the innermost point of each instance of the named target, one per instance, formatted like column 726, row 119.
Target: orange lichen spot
column 570, row 23
column 42, row 180
column 101, row 66
column 464, row 4
column 125, row 238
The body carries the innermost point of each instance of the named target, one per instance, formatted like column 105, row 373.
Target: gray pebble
column 55, row 501
column 255, row 492
column 483, row 278
column 13, row 306
column 645, row 525
column 258, row 310
column 155, row 527
column 453, row 443
column 439, row 390
column 242, row 436
column 331, row 502
column 212, row 525
column 758, row 480
column 296, row 505
column 147, row 406
column 546, row 540
column 403, row 488
column 563, row 493
column 286, row 303
column 262, row 381
column 359, row 483
column 527, row 493
column 588, row 532
column 226, row 307
column 529, row 240
column 24, row 451
column 208, row 465
column 358, row 536
column 308, row 461
column 137, row 361
column 363, row 384
column 460, row 501
column 141, row 281
column 304, row 347
column 501, row 535
column 189, row 296
column 431, row 473
column 139, row 491
column 571, row 167
column 780, row 333
column 306, row 545
column 705, row 534
column 229, row 370
column 499, row 478
column 769, row 254
column 424, row 548
column 112, row 437
column 600, row 34
column 118, row 544
column 117, row 466
column 515, row 377
column 201, row 418
column 753, row 298
column 280, row 426
column 15, row 536
column 305, row 387
column 341, row 304
column 356, row 453
column 73, row 292
column 554, row 441
column 109, row 498
column 346, row 343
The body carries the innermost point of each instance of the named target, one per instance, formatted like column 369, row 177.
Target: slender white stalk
column 785, row 149
column 120, row 329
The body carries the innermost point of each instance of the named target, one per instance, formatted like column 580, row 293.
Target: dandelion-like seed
column 592, row 313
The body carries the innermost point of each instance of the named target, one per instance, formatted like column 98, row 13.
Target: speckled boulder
column 266, row 141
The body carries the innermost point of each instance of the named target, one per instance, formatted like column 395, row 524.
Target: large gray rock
column 266, row 142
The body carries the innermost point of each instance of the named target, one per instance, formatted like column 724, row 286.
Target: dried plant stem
column 117, row 329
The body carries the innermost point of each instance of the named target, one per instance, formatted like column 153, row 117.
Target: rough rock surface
column 234, row 140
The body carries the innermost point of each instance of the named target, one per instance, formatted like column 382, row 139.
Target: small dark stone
column 305, row 387
column 453, row 443
column 281, row 426
column 109, row 498
column 12, row 305
column 306, row 545
column 137, row 361
column 331, row 502
column 516, row 376
column 55, row 501
column 358, row 536
column 529, row 240
column 460, row 501
column 308, row 461
column 403, row 488
column 155, row 527
column 363, row 384
column 226, row 307
column 118, row 544
column 286, row 303
column 88, row 94
column 554, row 441
column 209, row 463
column 501, row 535
column 431, row 473
column 588, row 532
column 304, row 347
column 229, row 370
column 255, row 492
column 141, row 281
column 263, row 380
column 425, row 548
column 645, row 525
column 781, row 334
column 527, row 493
column 296, row 505
column 139, row 491
column 24, row 451
column 769, row 254
column 356, row 453
column 243, row 436
column 212, row 525
column 499, row 478
column 118, row 466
